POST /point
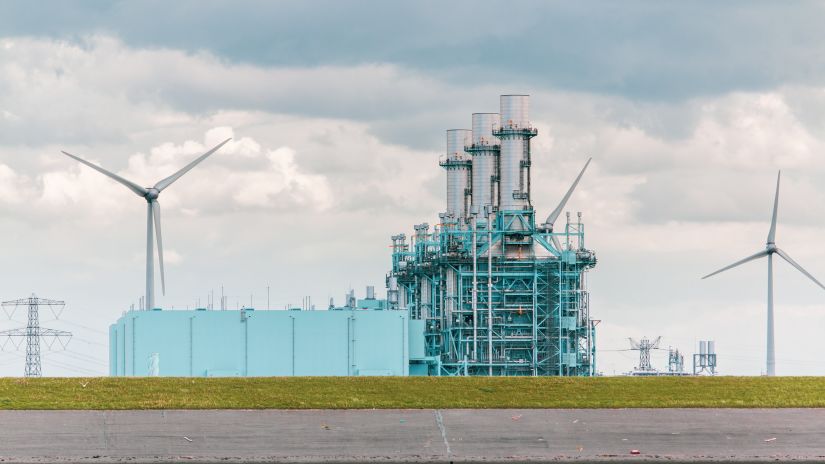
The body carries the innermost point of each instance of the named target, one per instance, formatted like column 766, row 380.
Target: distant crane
column 644, row 346
column 33, row 333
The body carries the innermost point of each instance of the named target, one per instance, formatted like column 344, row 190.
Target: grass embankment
column 411, row 392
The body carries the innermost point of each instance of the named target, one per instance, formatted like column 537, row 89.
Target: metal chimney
column 458, row 165
column 392, row 292
column 712, row 356
column 485, row 150
column 370, row 292
column 514, row 166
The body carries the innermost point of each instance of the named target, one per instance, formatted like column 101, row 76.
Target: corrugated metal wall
column 263, row 343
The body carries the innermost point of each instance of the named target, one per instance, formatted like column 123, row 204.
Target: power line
column 89, row 342
column 90, row 329
column 82, row 358
column 72, row 367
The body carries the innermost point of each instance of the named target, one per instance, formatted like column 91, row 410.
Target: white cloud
column 13, row 186
column 78, row 191
column 722, row 167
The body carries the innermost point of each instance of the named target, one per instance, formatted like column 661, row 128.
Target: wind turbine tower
column 151, row 194
column 770, row 250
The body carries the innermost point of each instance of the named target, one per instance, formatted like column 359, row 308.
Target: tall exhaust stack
column 514, row 166
column 458, row 165
column 485, row 150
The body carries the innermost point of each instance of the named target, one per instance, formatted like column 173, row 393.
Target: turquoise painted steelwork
column 499, row 294
column 265, row 343
column 537, row 298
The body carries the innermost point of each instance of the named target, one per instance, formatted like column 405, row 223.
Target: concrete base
column 413, row 435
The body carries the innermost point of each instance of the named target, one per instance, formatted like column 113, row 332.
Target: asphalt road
column 413, row 435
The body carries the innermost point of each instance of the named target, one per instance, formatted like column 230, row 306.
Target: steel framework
column 33, row 333
column 505, row 309
column 500, row 294
column 644, row 346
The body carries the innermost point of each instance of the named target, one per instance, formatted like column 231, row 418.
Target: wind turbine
column 769, row 251
column 151, row 194
column 551, row 219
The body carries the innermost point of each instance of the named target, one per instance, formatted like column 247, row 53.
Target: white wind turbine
column 769, row 251
column 150, row 194
column 551, row 219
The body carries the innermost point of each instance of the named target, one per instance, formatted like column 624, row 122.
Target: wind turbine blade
column 772, row 233
column 742, row 261
column 140, row 191
column 156, row 214
column 798, row 267
column 551, row 219
column 556, row 242
column 169, row 180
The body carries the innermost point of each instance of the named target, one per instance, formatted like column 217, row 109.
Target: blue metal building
column 265, row 343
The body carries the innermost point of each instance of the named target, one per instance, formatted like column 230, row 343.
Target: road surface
column 494, row 435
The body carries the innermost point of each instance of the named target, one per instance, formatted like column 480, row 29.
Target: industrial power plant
column 501, row 292
column 491, row 290
column 494, row 288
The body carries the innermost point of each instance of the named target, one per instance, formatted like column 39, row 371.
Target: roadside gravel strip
column 421, row 435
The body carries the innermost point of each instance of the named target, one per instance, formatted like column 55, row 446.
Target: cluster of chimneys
column 488, row 167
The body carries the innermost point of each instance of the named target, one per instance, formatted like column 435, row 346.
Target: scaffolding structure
column 501, row 295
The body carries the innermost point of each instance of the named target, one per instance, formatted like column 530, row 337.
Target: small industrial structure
column 675, row 359
column 500, row 292
column 704, row 363
column 675, row 362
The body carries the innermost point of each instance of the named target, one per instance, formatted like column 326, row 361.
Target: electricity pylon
column 644, row 346
column 33, row 333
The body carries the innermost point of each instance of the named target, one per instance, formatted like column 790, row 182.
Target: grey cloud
column 161, row 88
column 660, row 52
column 714, row 195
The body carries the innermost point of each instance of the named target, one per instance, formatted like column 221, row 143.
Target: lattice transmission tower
column 644, row 346
column 33, row 333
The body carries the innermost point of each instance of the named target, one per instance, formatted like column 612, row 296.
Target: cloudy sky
column 337, row 112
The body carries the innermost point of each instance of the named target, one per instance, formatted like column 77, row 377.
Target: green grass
column 410, row 392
